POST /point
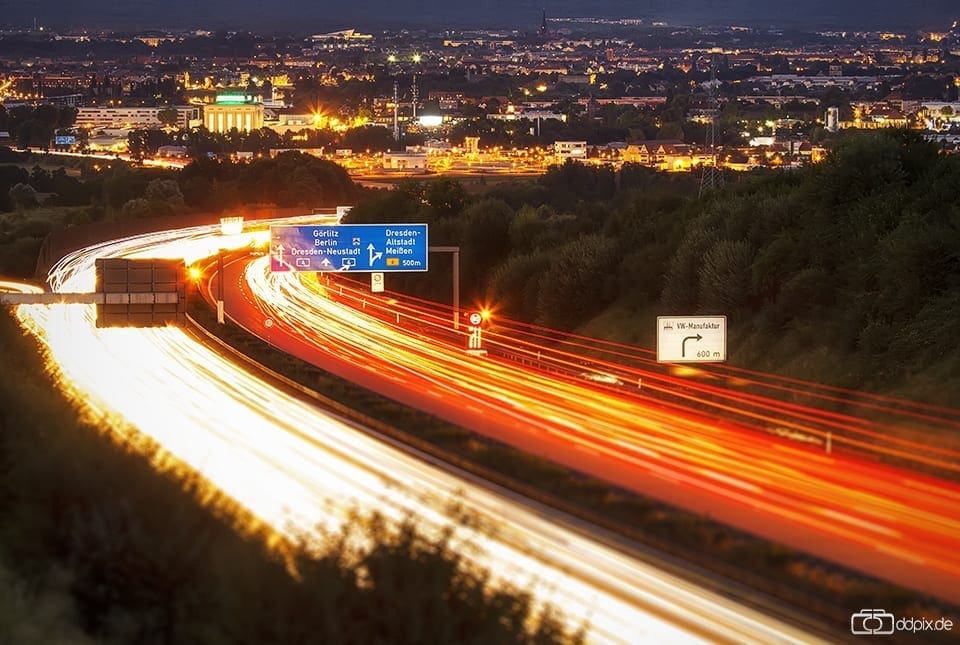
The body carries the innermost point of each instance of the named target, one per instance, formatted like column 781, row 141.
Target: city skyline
column 297, row 16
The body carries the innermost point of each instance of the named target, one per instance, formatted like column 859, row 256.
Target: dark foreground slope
column 94, row 541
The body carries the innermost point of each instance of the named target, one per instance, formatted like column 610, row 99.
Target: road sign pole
column 220, row 286
column 456, row 288
column 455, row 250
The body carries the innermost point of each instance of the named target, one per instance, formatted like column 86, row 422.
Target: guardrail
column 751, row 589
column 143, row 298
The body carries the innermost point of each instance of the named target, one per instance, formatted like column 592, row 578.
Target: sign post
column 691, row 339
column 455, row 250
column 475, row 338
column 376, row 282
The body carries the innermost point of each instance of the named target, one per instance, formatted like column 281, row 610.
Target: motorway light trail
column 618, row 355
column 888, row 416
column 895, row 523
column 298, row 468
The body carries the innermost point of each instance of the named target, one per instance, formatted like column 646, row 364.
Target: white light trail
column 298, row 468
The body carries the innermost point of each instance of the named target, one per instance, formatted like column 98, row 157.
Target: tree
column 515, row 285
column 165, row 197
column 143, row 143
column 23, row 196
column 725, row 276
column 579, row 282
column 47, row 114
column 169, row 117
column 445, row 197
column 368, row 137
column 136, row 209
column 486, row 238
column 34, row 133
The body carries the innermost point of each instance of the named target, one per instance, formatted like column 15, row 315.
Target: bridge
column 47, row 298
column 129, row 293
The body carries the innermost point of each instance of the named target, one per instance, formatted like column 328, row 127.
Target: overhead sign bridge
column 362, row 248
column 129, row 293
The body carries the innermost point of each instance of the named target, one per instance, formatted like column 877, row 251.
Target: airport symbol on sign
column 349, row 247
column 691, row 339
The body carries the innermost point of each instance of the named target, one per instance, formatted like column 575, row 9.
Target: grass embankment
column 22, row 233
column 826, row 592
column 97, row 546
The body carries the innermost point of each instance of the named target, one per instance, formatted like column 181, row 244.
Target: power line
column 396, row 113
column 712, row 175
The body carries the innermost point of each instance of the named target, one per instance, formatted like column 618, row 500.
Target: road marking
column 900, row 553
column 856, row 521
column 736, row 483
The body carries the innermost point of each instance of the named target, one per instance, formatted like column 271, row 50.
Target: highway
column 887, row 521
column 303, row 470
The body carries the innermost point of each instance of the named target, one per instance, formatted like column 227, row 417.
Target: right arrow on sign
column 683, row 346
column 374, row 253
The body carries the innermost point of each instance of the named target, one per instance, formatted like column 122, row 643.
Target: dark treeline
column 93, row 540
column 847, row 271
column 521, row 226
column 36, row 126
column 201, row 143
column 289, row 179
column 115, row 191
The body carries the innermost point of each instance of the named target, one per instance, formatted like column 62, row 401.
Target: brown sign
column 141, row 293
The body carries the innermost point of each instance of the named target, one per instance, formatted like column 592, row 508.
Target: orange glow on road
column 701, row 443
column 297, row 467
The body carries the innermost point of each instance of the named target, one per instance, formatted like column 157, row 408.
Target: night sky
column 314, row 15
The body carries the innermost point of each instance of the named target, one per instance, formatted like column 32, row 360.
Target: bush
column 578, row 282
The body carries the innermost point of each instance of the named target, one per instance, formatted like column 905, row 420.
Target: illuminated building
column 656, row 152
column 576, row 150
column 833, row 119
column 240, row 111
column 100, row 118
column 430, row 117
column 409, row 161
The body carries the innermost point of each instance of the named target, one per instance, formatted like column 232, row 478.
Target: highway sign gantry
column 349, row 247
column 691, row 339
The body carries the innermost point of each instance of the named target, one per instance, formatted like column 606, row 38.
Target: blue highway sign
column 349, row 247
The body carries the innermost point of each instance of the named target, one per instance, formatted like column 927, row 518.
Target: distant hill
column 302, row 16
